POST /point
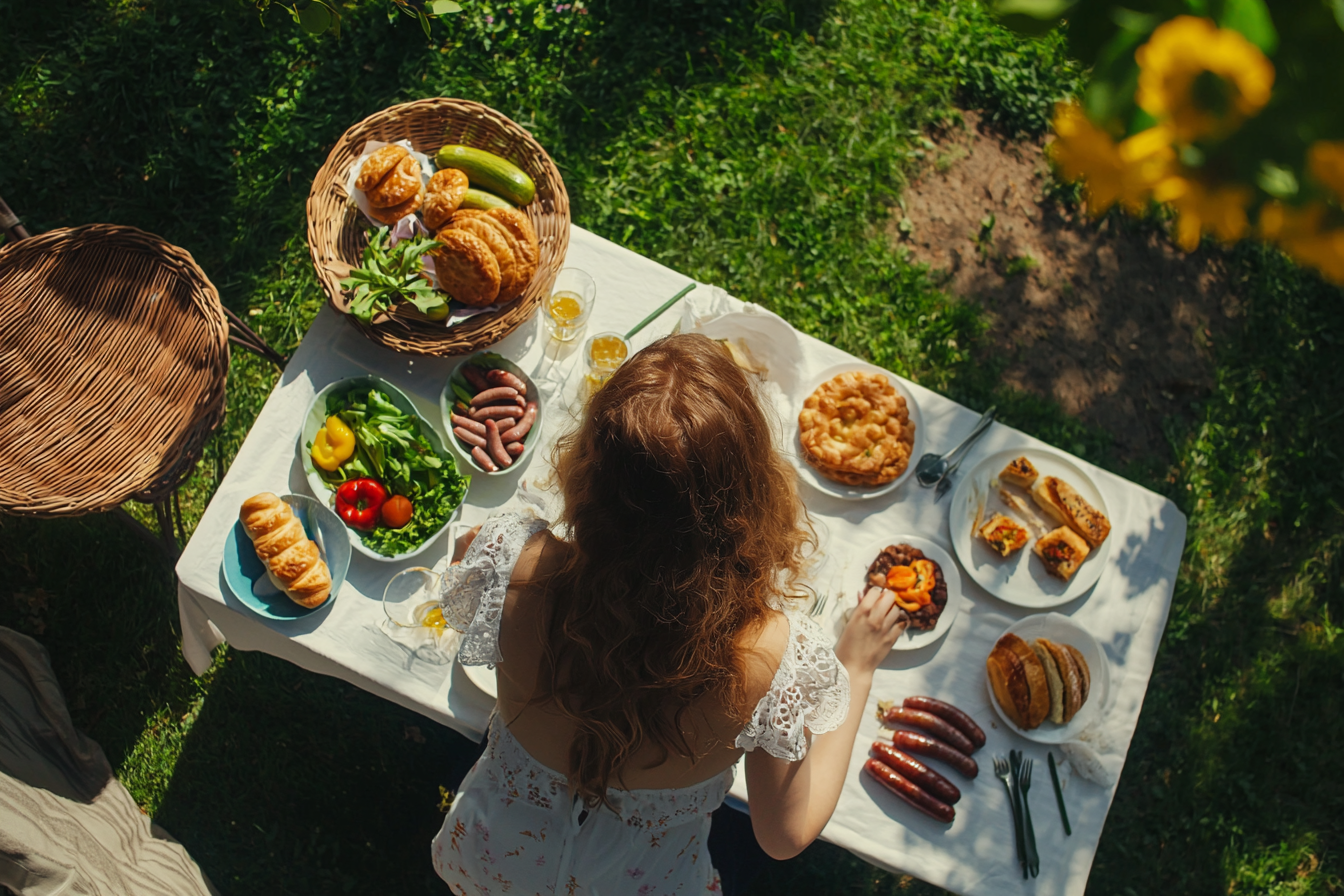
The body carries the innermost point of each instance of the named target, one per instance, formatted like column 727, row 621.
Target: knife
column 1059, row 794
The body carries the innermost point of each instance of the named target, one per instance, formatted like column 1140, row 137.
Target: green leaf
column 1251, row 18
column 315, row 17
column 1276, row 180
column 424, row 23
column 1337, row 7
column 444, row 7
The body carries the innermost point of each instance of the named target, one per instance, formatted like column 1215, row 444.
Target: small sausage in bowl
column 492, row 411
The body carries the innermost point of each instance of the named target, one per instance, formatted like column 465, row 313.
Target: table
column 1126, row 611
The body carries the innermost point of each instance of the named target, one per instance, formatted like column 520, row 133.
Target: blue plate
column 246, row 574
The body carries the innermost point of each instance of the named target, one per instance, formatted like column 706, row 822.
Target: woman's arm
column 792, row 801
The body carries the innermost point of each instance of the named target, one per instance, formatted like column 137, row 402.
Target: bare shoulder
column 540, row 557
column 763, row 651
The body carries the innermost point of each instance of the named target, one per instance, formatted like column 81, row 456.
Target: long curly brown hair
column 683, row 523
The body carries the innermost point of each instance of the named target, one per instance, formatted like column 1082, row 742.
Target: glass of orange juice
column 603, row 353
column 569, row 305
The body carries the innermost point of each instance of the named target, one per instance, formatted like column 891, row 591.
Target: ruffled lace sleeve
column 810, row 691
column 472, row 592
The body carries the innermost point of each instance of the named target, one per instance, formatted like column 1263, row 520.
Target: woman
column 641, row 655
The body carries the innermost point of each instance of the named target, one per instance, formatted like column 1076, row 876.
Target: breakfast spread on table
column 914, row 581
column 387, row 482
column 1039, row 681
column 1080, row 527
column 945, row 734
column 855, row 429
column 293, row 562
column 484, row 249
column 491, row 414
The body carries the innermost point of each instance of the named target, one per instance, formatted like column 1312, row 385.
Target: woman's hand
column 463, row 542
column 874, row 627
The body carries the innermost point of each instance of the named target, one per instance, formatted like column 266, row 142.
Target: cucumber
column 487, row 170
column 474, row 198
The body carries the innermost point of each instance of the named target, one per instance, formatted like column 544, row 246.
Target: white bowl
column 316, row 418
column 447, row 398
column 809, row 474
column 1062, row 630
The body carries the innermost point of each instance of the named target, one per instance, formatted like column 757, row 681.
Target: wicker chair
column 114, row 353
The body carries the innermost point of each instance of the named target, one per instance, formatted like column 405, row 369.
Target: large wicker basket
column 337, row 232
column 114, row 355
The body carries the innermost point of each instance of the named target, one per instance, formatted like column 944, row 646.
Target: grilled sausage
column 918, row 772
column 910, row 792
column 524, row 426
column 950, row 714
column 927, row 721
column 479, row 455
column 500, row 377
column 469, row 424
column 498, row 412
column 495, row 446
column 497, row 393
column 515, row 448
column 475, row 376
column 469, row 437
column 914, row 742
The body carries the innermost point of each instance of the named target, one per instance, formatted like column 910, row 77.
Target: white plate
column 1021, row 579
column 1062, row 630
column 483, row 677
column 838, row 489
column 857, row 568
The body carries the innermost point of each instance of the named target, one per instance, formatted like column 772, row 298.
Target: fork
column 1002, row 770
column 1024, row 785
column 820, row 605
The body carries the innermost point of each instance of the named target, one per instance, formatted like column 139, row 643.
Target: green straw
column 659, row 310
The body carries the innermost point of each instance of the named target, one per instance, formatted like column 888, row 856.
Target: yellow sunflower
column 1216, row 208
column 1300, row 233
column 1325, row 161
column 1123, row 172
column 1201, row 79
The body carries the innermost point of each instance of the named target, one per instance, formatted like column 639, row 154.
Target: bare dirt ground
column 1113, row 323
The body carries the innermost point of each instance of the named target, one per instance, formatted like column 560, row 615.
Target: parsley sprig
column 390, row 275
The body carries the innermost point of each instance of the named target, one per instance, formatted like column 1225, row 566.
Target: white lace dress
column 514, row 827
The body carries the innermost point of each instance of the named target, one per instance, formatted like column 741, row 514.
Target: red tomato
column 396, row 511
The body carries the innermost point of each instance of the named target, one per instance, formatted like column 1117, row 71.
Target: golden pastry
column 400, row 184
column 1062, row 552
column 1059, row 499
column 855, row 428
column 1018, row 472
column 492, row 237
column 522, row 270
column 517, row 223
column 292, row 560
column 1018, row 680
column 443, row 196
column 466, row 268
column 379, row 165
column 395, row 213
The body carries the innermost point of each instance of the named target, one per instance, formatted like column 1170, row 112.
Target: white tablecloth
column 1126, row 611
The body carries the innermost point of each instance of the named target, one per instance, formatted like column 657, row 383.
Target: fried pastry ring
column 466, row 268
column 400, row 184
column 855, row 429
column 443, row 196
column 379, row 165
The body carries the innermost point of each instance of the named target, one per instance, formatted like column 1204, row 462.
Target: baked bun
column 466, row 268
column 1019, row 472
column 1053, row 679
column 400, row 184
column 1059, row 499
column 443, row 196
column 392, row 214
column 378, row 165
column 1062, row 551
column 1084, row 673
column 1071, row 677
column 292, row 560
column 1017, row 677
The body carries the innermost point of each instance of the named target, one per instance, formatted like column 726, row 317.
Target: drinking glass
column 603, row 353
column 415, row 618
column 569, row 305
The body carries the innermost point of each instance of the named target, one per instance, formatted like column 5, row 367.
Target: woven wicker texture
column 113, row 360
column 337, row 232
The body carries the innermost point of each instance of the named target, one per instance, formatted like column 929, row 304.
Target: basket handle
column 10, row 224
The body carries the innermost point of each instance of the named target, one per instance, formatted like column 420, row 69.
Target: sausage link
column 469, row 424
column 498, row 393
column 469, row 437
column 927, row 721
column 515, row 448
column 483, row 459
column 516, row 433
column 913, row 742
column 950, row 714
column 910, row 792
column 501, row 377
column 474, row 375
column 918, row 772
column 495, row 446
column 498, row 412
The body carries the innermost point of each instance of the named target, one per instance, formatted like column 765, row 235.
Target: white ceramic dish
column 857, row 568
column 808, row 473
column 316, row 418
column 1021, row 579
column 1062, row 630
column 447, row 397
column 483, row 677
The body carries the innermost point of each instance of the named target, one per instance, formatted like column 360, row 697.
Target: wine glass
column 415, row 618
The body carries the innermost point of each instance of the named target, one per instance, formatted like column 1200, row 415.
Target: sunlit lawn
column 757, row 145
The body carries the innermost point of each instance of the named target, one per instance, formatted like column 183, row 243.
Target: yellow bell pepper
column 333, row 445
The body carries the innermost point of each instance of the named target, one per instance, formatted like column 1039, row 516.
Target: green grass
column 758, row 144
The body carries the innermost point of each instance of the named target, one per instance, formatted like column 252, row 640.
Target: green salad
column 391, row 448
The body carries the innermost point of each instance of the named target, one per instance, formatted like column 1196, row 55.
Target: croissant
column 292, row 559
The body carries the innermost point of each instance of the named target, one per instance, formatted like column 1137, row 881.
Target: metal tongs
column 938, row 469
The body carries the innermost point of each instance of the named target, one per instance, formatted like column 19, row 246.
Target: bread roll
column 1062, row 552
column 1059, row 499
column 1071, row 677
column 292, row 560
column 1018, row 472
column 400, row 184
column 1053, row 679
column 378, row 165
column 1017, row 677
